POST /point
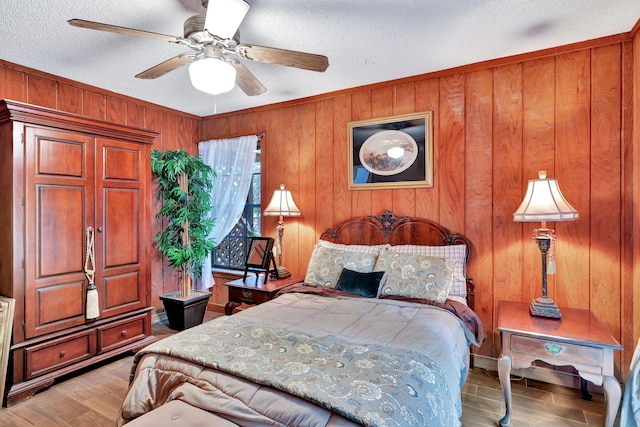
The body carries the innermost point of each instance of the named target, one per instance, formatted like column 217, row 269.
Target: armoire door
column 121, row 224
column 59, row 206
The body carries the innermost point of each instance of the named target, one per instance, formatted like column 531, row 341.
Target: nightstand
column 255, row 291
column 579, row 340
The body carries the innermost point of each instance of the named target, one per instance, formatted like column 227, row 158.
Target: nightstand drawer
column 557, row 351
column 249, row 295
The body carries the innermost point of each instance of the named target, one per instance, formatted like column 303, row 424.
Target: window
column 231, row 252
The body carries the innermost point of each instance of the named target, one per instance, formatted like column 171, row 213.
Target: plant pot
column 185, row 312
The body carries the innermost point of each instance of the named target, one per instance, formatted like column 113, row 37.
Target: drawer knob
column 62, row 354
column 554, row 348
column 124, row 333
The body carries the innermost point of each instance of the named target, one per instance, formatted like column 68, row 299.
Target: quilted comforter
column 312, row 360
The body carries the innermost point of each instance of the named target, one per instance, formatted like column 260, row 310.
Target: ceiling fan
column 215, row 65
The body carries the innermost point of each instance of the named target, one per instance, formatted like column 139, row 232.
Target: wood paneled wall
column 631, row 253
column 570, row 111
column 175, row 130
column 496, row 125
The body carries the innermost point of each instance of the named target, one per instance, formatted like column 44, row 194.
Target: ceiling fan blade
column 290, row 58
column 247, row 81
column 167, row 66
column 121, row 30
column 224, row 17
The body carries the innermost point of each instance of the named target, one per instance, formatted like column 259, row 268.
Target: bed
column 379, row 333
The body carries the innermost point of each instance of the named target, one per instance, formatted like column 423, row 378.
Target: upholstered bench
column 177, row 414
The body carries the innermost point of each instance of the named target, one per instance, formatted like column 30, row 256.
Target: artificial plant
column 185, row 184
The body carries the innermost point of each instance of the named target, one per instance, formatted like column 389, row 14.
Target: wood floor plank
column 473, row 417
column 593, row 406
column 107, row 405
column 535, row 405
column 59, row 403
column 594, row 419
column 77, row 389
column 32, row 414
column 92, row 419
column 486, row 404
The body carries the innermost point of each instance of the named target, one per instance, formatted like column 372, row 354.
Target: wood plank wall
column 176, row 129
column 631, row 255
column 567, row 111
column 570, row 111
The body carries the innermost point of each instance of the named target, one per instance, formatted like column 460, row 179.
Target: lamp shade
column 212, row 75
column 544, row 202
column 281, row 204
column 224, row 17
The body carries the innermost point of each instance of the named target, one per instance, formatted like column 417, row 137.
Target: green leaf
column 177, row 206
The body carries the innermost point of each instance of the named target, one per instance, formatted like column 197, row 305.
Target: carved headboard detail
column 395, row 230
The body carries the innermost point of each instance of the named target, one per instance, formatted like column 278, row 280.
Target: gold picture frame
column 391, row 152
column 7, row 308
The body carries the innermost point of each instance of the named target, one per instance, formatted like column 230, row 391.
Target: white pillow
column 457, row 252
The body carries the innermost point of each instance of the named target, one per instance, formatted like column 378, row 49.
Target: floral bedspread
column 369, row 384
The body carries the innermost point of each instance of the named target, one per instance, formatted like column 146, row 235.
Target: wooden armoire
column 62, row 174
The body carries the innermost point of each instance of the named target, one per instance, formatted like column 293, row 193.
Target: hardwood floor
column 93, row 399
column 535, row 404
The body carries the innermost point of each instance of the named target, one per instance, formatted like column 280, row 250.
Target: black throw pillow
column 363, row 284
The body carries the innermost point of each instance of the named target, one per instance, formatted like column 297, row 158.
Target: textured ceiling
column 366, row 41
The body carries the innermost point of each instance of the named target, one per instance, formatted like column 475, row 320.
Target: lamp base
column 544, row 307
column 280, row 273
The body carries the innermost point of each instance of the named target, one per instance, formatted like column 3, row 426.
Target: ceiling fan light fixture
column 212, row 75
column 224, row 17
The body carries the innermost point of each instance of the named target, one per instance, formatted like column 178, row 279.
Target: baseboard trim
column 159, row 317
column 216, row 308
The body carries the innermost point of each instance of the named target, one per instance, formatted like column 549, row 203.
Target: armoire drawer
column 121, row 333
column 56, row 354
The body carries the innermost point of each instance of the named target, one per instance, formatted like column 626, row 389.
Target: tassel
column 92, row 302
column 551, row 265
column 93, row 307
column 551, row 269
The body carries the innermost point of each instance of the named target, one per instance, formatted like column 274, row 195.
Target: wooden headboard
column 394, row 230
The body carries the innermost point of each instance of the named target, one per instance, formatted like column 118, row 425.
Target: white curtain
column 232, row 160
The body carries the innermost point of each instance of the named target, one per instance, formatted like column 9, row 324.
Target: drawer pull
column 246, row 294
column 124, row 333
column 554, row 348
column 62, row 354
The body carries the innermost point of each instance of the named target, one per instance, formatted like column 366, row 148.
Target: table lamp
column 544, row 202
column 281, row 205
